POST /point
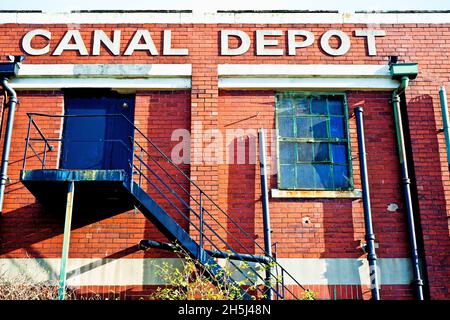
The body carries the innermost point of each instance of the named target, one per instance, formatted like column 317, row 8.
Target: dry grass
column 22, row 288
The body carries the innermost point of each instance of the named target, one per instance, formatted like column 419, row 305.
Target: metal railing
column 155, row 172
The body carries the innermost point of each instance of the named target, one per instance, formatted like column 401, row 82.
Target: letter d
column 241, row 49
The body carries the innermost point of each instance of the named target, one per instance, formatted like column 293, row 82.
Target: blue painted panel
column 100, row 142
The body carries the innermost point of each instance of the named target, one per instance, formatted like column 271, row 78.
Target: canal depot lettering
column 266, row 42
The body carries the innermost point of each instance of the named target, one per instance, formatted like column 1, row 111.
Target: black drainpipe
column 406, row 184
column 7, row 142
column 414, row 196
column 370, row 236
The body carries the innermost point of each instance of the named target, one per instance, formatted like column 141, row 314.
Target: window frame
column 307, row 94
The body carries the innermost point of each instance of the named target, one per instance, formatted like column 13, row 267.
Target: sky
column 211, row 5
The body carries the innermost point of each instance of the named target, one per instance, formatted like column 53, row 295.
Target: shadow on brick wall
column 339, row 242
column 241, row 198
column 431, row 176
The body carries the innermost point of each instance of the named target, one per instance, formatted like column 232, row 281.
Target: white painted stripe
column 224, row 18
column 105, row 70
column 82, row 272
column 321, row 76
column 120, row 76
column 308, row 83
column 335, row 271
column 303, row 70
column 59, row 83
column 103, row 272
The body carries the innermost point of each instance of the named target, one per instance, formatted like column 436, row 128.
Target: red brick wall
column 336, row 224
column 24, row 229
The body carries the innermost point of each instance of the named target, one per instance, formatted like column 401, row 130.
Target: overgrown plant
column 308, row 295
column 191, row 281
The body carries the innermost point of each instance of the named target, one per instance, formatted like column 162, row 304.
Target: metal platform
column 99, row 192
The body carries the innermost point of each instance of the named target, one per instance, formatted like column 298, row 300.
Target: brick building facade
column 205, row 89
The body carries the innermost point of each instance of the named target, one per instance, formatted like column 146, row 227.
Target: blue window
column 313, row 142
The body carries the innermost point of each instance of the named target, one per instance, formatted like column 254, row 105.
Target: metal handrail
column 50, row 147
column 207, row 238
column 202, row 194
column 195, row 213
column 198, row 202
column 283, row 270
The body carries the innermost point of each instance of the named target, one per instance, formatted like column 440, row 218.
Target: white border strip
column 339, row 271
column 303, row 70
column 105, row 70
column 223, row 18
column 308, row 83
column 83, row 272
column 289, row 76
column 120, row 76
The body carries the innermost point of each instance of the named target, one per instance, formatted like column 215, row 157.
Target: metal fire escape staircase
column 166, row 196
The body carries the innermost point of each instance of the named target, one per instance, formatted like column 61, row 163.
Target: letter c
column 26, row 42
